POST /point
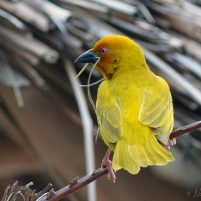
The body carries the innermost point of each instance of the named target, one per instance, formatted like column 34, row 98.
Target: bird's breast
column 128, row 94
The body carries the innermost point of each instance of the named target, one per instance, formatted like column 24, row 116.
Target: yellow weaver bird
column 134, row 106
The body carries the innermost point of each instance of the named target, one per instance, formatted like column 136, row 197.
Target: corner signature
column 196, row 193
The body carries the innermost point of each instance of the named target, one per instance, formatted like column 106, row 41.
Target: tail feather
column 162, row 155
column 131, row 156
column 122, row 159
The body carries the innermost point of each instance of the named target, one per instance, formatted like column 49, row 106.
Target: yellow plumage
column 134, row 107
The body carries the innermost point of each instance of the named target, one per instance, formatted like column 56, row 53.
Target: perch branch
column 79, row 183
column 185, row 129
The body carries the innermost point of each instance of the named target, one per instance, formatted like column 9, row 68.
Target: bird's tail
column 131, row 155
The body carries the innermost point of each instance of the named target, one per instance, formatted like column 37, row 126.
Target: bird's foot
column 171, row 142
column 111, row 173
column 107, row 163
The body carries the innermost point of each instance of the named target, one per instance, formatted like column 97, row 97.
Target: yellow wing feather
column 109, row 118
column 156, row 110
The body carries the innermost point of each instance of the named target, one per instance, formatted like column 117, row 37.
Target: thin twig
column 79, row 183
column 185, row 129
column 64, row 192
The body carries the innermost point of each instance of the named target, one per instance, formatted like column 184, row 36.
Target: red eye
column 103, row 50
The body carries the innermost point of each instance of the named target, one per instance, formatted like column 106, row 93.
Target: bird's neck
column 136, row 70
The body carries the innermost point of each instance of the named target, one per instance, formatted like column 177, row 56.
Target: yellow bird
column 134, row 106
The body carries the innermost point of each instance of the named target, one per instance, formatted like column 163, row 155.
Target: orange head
column 113, row 53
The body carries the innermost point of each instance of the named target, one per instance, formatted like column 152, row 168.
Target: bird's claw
column 171, row 142
column 111, row 173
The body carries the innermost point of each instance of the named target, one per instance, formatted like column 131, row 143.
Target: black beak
column 87, row 57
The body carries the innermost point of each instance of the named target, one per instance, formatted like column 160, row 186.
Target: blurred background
column 47, row 125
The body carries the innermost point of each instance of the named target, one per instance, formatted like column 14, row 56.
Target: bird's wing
column 156, row 110
column 109, row 120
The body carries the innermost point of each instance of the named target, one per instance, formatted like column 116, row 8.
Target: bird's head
column 113, row 53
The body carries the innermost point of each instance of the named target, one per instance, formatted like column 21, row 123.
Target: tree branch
column 79, row 183
column 185, row 129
